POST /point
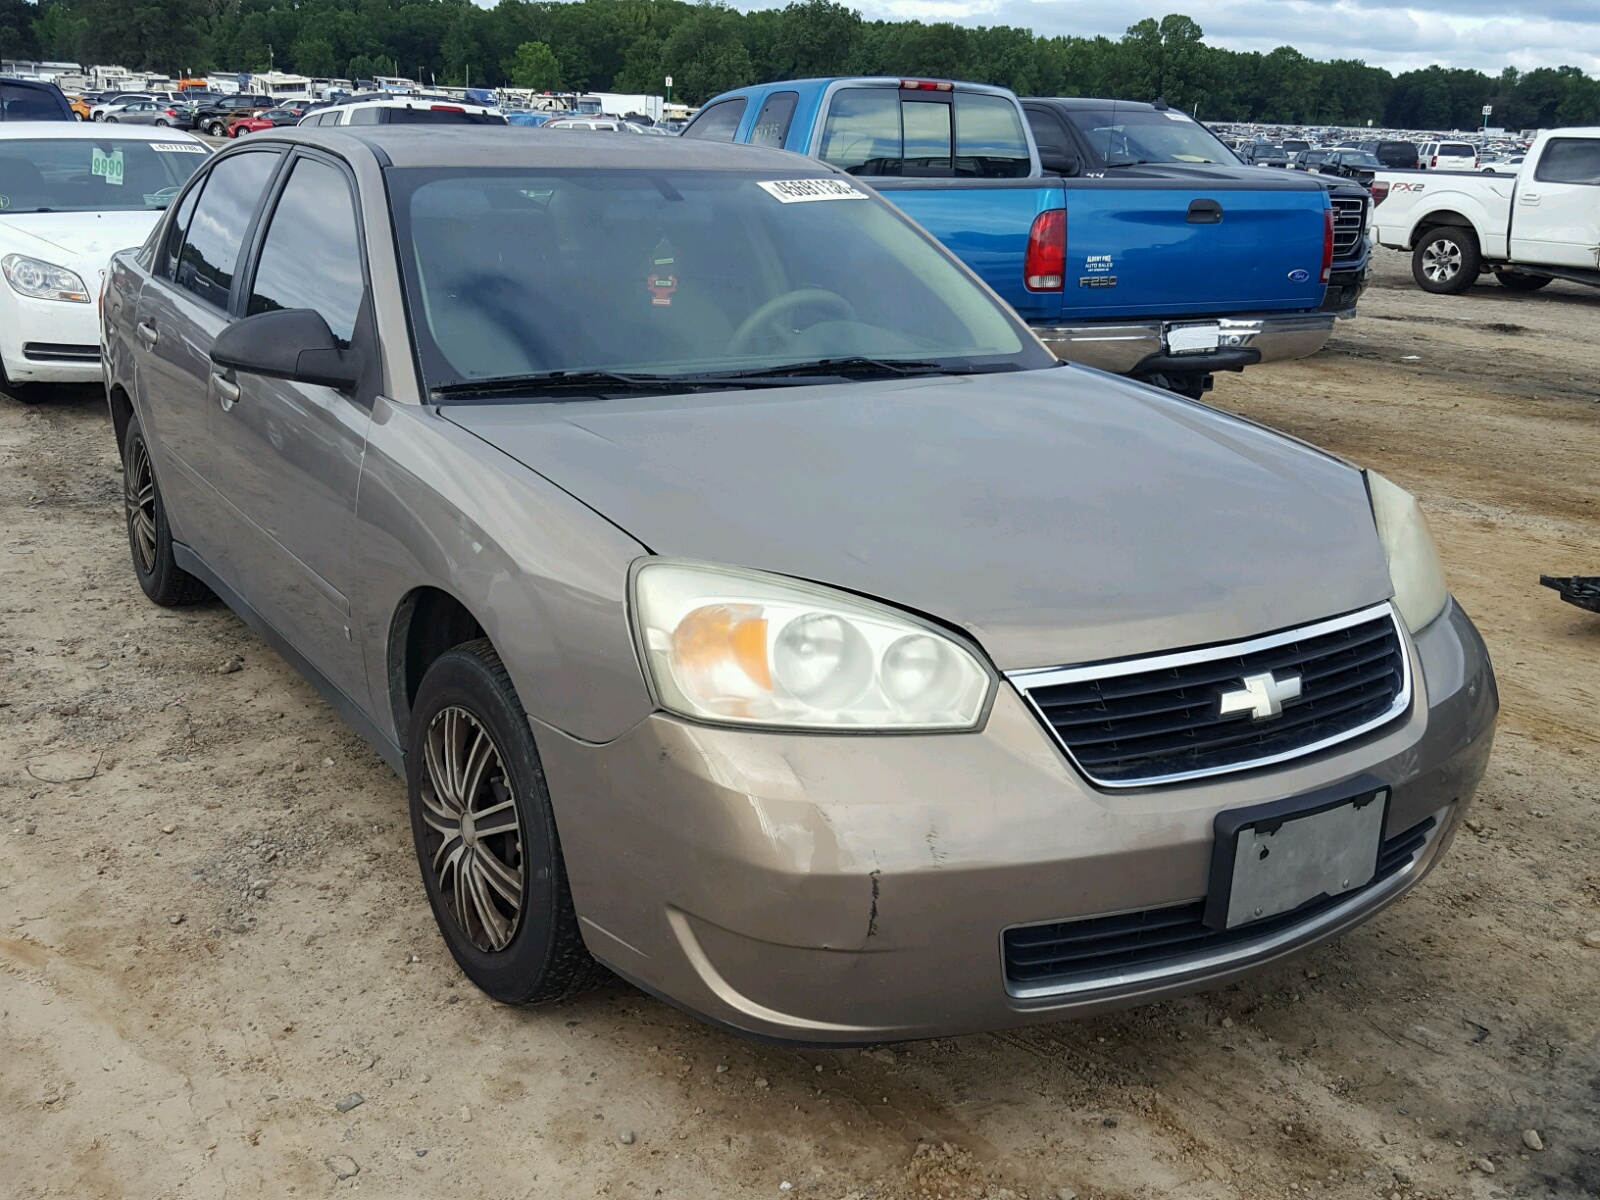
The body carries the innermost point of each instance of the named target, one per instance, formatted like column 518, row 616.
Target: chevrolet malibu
column 70, row 196
column 751, row 604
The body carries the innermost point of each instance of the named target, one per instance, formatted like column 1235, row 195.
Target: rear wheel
column 486, row 835
column 1446, row 260
column 1522, row 283
column 161, row 122
column 111, row 120
column 216, row 129
column 149, row 536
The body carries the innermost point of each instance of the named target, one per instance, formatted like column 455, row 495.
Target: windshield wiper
column 555, row 382
column 1129, row 162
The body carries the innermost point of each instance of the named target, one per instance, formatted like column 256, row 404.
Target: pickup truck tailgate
column 984, row 223
column 1210, row 249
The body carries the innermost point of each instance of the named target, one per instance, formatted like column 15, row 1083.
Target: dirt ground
column 212, row 931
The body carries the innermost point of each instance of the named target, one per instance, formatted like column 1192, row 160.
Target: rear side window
column 312, row 254
column 772, row 122
column 990, row 142
column 363, row 116
column 1570, row 160
column 439, row 116
column 211, row 245
column 719, row 122
column 19, row 102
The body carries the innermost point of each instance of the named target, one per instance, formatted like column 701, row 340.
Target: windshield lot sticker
column 107, row 166
column 177, row 148
column 801, row 191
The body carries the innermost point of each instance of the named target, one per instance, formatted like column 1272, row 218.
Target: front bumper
column 48, row 341
column 835, row 889
column 1140, row 348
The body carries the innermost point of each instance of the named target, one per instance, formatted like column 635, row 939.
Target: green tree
column 163, row 35
column 705, row 55
column 535, row 66
column 19, row 20
column 314, row 56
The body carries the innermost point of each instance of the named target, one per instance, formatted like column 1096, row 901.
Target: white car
column 404, row 110
column 71, row 195
column 1448, row 156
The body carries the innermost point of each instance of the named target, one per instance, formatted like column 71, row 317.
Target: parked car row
column 802, row 641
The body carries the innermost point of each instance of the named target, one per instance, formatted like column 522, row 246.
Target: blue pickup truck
column 1144, row 249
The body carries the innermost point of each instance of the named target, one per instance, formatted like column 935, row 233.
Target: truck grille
column 1349, row 226
column 1159, row 720
column 1039, row 957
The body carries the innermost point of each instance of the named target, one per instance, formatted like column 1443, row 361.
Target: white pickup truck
column 1541, row 224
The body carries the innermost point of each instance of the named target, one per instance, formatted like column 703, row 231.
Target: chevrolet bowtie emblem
column 1262, row 696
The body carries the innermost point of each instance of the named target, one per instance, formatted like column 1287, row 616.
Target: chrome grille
column 1141, row 722
column 1349, row 224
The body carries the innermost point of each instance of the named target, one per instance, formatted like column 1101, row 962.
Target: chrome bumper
column 1134, row 348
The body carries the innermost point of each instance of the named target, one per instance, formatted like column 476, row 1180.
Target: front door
column 181, row 310
column 1555, row 218
column 288, row 455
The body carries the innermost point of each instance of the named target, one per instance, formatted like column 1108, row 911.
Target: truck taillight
column 1327, row 244
column 1045, row 266
column 1380, row 192
column 926, row 85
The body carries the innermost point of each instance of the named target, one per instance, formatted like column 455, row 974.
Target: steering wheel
column 778, row 306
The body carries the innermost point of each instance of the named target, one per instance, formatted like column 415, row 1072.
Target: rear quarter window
column 1570, row 160
column 719, row 122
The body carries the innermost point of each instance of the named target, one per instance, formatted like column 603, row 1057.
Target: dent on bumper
column 837, row 889
column 1123, row 348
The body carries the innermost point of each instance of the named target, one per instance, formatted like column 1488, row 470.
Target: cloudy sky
column 1487, row 34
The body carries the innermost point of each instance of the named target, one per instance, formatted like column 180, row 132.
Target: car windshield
column 1359, row 158
column 674, row 274
column 100, row 174
column 1144, row 135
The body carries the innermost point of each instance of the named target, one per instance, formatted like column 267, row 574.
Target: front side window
column 216, row 232
column 772, row 122
column 517, row 272
column 177, row 230
column 101, row 174
column 312, row 254
column 718, row 123
column 1570, row 160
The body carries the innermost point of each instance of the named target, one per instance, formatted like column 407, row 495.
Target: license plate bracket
column 1272, row 858
column 1194, row 339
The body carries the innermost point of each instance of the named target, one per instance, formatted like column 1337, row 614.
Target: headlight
column 1414, row 567
column 42, row 280
column 747, row 648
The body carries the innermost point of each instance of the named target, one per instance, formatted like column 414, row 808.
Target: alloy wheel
column 1441, row 261
column 139, row 494
column 474, row 835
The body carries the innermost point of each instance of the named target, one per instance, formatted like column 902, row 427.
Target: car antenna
column 1161, row 104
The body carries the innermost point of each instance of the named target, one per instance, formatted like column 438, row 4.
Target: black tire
column 111, row 120
column 216, row 129
column 1522, row 283
column 161, row 122
column 22, row 393
column 99, row 116
column 534, row 954
column 1446, row 260
column 149, row 535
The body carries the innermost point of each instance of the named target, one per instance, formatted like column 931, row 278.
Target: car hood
column 1058, row 516
column 67, row 239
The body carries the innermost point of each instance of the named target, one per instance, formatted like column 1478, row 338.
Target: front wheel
column 216, row 129
column 111, row 120
column 486, row 835
column 1446, row 261
column 149, row 535
column 99, row 116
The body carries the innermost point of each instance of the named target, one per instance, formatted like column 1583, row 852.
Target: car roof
column 96, row 131
column 509, row 146
column 1075, row 102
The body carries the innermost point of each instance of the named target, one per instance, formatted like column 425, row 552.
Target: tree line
column 632, row 45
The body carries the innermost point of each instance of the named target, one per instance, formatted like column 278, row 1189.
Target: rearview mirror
column 1058, row 163
column 290, row 343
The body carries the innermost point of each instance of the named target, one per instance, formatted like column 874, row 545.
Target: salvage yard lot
column 212, row 936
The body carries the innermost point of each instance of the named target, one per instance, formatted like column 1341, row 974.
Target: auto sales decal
column 1099, row 268
column 803, row 191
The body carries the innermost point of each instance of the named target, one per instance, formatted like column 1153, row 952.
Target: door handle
column 1530, row 197
column 1205, row 212
column 226, row 388
column 148, row 334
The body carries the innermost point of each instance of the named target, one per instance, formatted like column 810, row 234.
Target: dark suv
column 33, row 100
column 213, row 116
column 1397, row 156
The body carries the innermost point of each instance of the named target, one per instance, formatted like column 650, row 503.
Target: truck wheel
column 1522, row 283
column 486, row 836
column 1446, row 260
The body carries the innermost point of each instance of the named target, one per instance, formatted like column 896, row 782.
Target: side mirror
column 1058, row 163
column 291, row 343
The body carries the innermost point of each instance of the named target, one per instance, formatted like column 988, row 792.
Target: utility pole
column 669, row 89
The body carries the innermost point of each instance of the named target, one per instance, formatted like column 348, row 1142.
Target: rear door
column 1177, row 242
column 181, row 310
column 287, row 456
column 1555, row 220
